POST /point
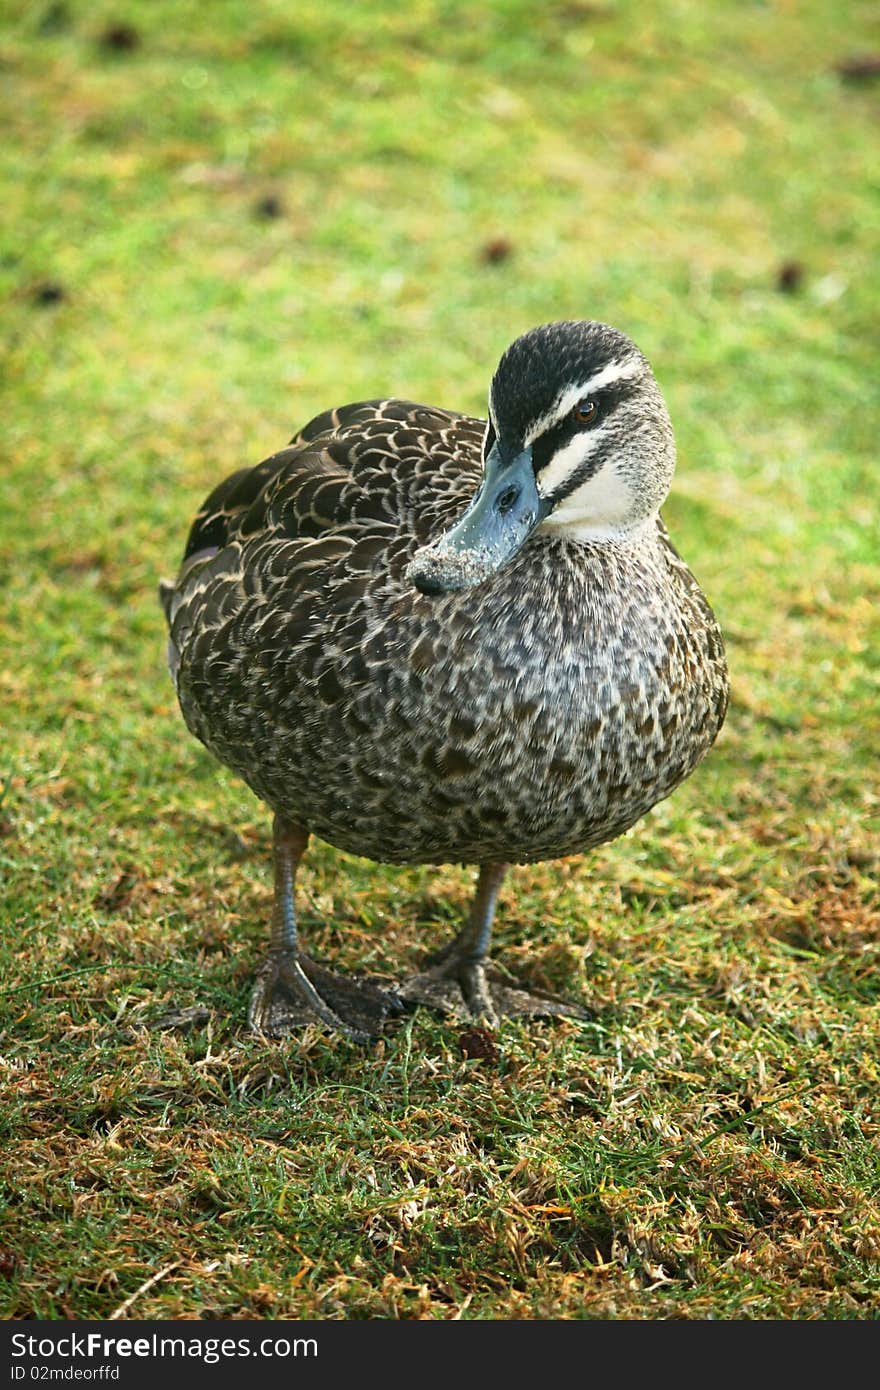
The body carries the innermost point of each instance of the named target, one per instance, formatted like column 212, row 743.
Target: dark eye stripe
column 608, row 400
column 610, row 397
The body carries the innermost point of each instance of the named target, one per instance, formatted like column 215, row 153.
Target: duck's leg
column 460, row 980
column 291, row 989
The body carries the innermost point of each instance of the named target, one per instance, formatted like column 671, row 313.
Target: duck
column 428, row 638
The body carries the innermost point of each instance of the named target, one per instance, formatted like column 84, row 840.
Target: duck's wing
column 391, row 451
column 371, row 477
column 407, row 465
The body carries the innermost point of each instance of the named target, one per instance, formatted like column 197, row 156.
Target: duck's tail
column 166, row 594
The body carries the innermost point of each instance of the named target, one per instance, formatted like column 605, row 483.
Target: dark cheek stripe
column 581, row 474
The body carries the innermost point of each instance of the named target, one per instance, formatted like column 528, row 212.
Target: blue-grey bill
column 502, row 515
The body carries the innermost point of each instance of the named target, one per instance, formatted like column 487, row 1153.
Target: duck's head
column 579, row 442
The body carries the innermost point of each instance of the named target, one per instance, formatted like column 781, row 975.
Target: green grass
column 708, row 1144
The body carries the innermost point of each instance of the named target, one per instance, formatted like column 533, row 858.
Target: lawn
column 219, row 221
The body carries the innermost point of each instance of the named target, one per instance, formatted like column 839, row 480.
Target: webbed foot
column 292, row 990
column 478, row 992
column 459, row 979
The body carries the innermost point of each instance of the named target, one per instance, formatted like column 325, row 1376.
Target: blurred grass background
column 219, row 221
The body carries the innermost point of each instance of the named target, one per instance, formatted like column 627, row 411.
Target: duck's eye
column 585, row 412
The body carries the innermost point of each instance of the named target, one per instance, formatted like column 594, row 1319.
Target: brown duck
column 428, row 638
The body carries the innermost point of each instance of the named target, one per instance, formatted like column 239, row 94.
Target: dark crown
column 541, row 363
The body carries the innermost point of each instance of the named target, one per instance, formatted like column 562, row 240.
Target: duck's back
column 527, row 718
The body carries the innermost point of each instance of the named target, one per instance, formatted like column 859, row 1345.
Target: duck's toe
column 292, row 990
column 476, row 992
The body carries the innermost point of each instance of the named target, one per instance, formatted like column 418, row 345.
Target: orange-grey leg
column 291, row 989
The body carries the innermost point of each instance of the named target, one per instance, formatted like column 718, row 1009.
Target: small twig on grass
column 147, row 1284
